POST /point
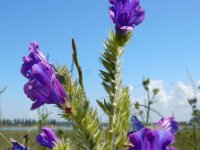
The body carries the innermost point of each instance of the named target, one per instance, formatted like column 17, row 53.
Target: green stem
column 26, row 139
column 1, row 134
column 3, row 90
column 111, row 78
column 75, row 58
column 151, row 109
column 113, row 97
column 148, row 107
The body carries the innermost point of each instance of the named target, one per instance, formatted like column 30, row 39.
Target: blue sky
column 162, row 47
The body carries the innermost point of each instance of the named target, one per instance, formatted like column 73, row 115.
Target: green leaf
column 146, row 84
column 137, row 105
column 107, row 88
column 156, row 91
column 103, row 107
column 106, row 76
column 108, row 65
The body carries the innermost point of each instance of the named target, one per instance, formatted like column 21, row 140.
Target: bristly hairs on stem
column 111, row 60
column 88, row 130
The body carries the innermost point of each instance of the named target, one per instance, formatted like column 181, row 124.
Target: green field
column 18, row 136
column 183, row 139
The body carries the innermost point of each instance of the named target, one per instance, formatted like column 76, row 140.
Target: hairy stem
column 114, row 48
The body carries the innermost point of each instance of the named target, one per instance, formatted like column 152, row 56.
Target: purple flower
column 17, row 146
column 47, row 138
column 156, row 138
column 126, row 14
column 137, row 125
column 151, row 139
column 43, row 86
column 168, row 124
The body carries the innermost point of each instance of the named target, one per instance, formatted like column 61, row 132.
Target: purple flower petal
column 151, row 139
column 126, row 14
column 137, row 125
column 171, row 148
column 42, row 86
column 168, row 124
column 47, row 138
column 165, row 139
column 136, row 140
column 17, row 146
column 158, row 138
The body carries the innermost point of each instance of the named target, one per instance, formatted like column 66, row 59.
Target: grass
column 183, row 139
column 18, row 136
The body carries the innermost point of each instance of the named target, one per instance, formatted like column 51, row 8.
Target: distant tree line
column 29, row 122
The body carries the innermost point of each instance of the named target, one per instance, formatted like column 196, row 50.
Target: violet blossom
column 159, row 137
column 126, row 14
column 18, row 146
column 42, row 86
column 47, row 138
column 168, row 124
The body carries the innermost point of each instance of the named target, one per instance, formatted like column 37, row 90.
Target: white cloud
column 187, row 90
column 172, row 99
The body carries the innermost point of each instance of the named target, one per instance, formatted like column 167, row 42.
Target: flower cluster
column 158, row 137
column 126, row 14
column 43, row 86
